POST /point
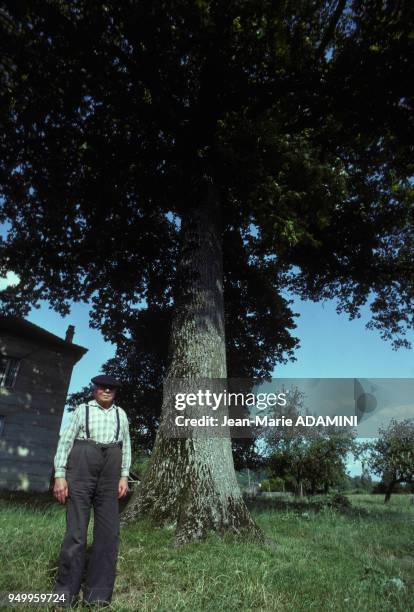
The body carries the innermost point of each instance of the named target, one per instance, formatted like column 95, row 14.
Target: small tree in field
column 392, row 454
column 314, row 458
column 326, row 457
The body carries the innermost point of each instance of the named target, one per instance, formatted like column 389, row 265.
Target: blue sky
column 334, row 347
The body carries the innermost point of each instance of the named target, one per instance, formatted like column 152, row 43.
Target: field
column 326, row 559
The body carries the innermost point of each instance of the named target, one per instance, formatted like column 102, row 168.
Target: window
column 8, row 371
column 1, row 425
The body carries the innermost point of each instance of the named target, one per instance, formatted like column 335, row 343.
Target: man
column 92, row 464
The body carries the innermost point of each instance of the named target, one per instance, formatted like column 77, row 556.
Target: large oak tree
column 147, row 147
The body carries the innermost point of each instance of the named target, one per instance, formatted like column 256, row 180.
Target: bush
column 381, row 487
column 272, row 484
column 340, row 502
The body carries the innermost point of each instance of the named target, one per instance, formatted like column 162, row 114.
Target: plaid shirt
column 102, row 428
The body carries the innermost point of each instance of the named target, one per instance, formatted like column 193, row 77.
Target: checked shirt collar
column 97, row 404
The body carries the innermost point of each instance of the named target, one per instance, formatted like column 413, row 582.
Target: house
column 35, row 371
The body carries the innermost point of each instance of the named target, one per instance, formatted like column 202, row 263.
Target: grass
column 362, row 559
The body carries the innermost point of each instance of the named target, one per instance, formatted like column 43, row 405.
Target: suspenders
column 117, row 425
column 87, row 423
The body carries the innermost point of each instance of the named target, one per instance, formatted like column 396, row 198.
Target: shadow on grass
column 44, row 500
column 338, row 503
column 31, row 500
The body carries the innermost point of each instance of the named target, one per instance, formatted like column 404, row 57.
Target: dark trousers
column 93, row 473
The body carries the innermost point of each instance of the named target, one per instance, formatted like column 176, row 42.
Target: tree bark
column 192, row 482
column 313, row 488
column 389, row 491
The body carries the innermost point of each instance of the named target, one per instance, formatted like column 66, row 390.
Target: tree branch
column 330, row 30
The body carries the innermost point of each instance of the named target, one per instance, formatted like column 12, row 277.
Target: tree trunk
column 313, row 488
column 389, row 491
column 192, row 482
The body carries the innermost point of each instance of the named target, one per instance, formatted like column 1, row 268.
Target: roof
column 20, row 327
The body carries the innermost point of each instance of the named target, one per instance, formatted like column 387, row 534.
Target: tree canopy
column 310, row 459
column 391, row 456
column 301, row 111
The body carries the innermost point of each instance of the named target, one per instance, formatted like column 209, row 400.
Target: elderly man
column 92, row 464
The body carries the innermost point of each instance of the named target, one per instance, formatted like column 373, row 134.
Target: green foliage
column 340, row 502
column 397, row 489
column 391, row 455
column 272, row 484
column 316, row 465
column 358, row 484
column 315, row 458
column 299, row 111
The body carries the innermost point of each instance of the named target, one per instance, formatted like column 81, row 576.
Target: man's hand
column 123, row 487
column 60, row 490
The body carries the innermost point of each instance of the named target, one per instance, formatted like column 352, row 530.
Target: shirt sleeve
column 65, row 444
column 126, row 447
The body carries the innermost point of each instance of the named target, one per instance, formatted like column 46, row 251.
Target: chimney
column 70, row 332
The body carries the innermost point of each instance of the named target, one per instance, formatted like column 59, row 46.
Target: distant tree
column 315, row 461
column 286, row 448
column 287, row 463
column 391, row 456
column 382, row 487
column 313, row 457
column 272, row 485
column 362, row 483
column 326, row 459
column 366, row 481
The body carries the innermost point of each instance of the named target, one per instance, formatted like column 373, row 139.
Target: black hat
column 105, row 380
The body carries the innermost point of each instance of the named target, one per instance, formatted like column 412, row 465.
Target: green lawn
column 325, row 560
